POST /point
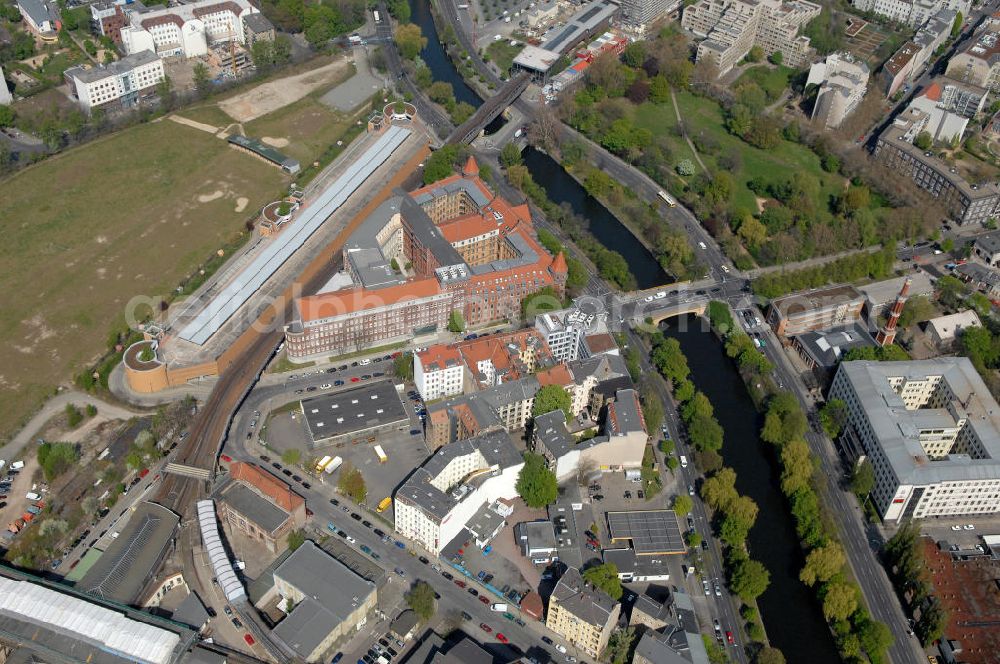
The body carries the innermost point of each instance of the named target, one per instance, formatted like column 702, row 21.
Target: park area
column 706, row 126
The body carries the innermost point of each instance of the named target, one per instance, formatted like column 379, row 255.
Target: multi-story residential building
column 842, row 81
column 501, row 358
column 566, row 331
column 979, row 64
column 325, row 601
column 257, row 28
column 907, row 63
column 41, row 17
column 730, row 28
column 433, row 505
column 986, row 249
column 581, row 614
column 470, row 251
column 260, row 506
column 966, row 202
column 912, row 13
column 817, row 309
column 120, row 84
column 638, row 16
column 187, row 30
column 438, row 372
column 931, row 431
column 5, row 98
column 620, row 446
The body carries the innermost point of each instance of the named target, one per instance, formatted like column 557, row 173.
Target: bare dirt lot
column 271, row 96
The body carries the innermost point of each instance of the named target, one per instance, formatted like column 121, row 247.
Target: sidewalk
column 55, row 406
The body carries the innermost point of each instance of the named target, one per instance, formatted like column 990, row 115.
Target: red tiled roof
column 314, row 307
column 268, row 485
column 440, row 356
column 557, row 375
column 933, row 92
column 467, row 226
column 471, row 167
column 162, row 20
column 559, row 264
column 601, row 343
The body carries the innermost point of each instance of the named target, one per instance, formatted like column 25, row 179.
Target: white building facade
column 187, row 30
column 119, row 84
column 931, row 431
column 438, row 372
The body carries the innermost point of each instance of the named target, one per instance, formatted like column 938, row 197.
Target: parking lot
column 405, row 450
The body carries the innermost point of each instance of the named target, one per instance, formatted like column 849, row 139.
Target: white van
column 31, row 495
column 684, row 461
column 498, row 607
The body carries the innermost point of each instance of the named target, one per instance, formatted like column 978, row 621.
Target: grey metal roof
column 979, row 273
column 116, row 68
column 279, row 249
column 190, row 612
column 540, row 535
column 121, row 572
column 882, row 293
column 624, row 416
column 589, row 604
column 265, row 514
column 989, row 242
column 650, row 531
column 656, row 648
column 461, row 184
column 257, row 22
column 827, row 347
column 550, row 432
column 363, row 251
column 484, row 522
column 627, row 562
column 580, row 25
column 525, row 255
column 404, row 623
column 465, row 651
column 332, row 593
column 428, row 234
column 39, row 10
column 897, row 429
column 359, row 409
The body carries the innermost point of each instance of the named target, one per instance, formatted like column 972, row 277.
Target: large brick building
column 469, row 250
column 260, row 506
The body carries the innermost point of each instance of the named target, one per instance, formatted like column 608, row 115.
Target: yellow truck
column 384, row 505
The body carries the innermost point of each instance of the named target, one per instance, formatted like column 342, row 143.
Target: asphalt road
column 860, row 541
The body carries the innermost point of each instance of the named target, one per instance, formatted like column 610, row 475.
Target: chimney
column 887, row 334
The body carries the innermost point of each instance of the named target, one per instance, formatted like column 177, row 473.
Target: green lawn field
column 704, row 115
column 130, row 214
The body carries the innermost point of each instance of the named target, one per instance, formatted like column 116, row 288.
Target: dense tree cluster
column 536, row 484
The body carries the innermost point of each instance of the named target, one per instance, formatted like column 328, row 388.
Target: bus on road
column 382, row 456
column 667, row 198
column 384, row 505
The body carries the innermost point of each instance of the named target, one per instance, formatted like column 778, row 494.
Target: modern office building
column 187, row 30
column 260, row 506
column 582, row 615
column 325, row 600
column 469, row 249
column 966, row 202
column 815, row 309
column 120, row 84
column 842, row 81
column 930, row 429
column 433, row 505
column 728, row 29
column 565, row 331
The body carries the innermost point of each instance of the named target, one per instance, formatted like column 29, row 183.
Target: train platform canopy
column 535, row 59
column 652, row 532
column 227, row 299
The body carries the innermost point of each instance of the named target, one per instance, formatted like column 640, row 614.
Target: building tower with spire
column 887, row 334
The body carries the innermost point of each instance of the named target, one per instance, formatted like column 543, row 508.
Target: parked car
column 249, row 639
column 486, row 628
